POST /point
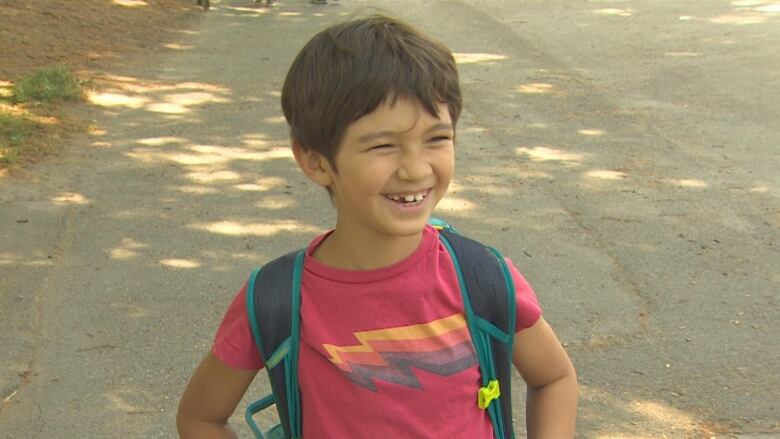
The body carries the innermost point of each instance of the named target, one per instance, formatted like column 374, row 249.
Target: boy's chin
column 410, row 228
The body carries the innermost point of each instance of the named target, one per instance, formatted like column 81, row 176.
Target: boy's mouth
column 410, row 198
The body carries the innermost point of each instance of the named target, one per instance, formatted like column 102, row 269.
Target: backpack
column 273, row 303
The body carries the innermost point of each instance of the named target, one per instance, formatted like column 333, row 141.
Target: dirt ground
column 85, row 35
column 89, row 37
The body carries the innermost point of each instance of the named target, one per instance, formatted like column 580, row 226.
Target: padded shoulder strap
column 270, row 287
column 489, row 299
column 487, row 279
column 273, row 300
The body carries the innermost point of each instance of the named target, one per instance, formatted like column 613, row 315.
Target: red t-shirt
column 383, row 353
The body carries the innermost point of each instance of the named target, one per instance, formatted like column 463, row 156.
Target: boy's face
column 394, row 165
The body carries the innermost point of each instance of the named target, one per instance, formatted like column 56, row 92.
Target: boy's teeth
column 407, row 198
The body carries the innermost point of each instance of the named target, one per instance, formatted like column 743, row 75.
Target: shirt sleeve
column 528, row 309
column 233, row 343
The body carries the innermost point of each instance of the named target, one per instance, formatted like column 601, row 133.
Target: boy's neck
column 349, row 252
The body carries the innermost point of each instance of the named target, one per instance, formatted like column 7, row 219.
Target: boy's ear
column 313, row 164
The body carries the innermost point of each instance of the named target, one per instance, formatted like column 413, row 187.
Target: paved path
column 624, row 154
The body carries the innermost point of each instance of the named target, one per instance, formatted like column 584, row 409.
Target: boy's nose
column 414, row 167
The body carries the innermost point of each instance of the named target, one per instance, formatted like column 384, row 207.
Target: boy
column 372, row 106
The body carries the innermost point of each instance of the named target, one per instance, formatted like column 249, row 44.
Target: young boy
column 372, row 106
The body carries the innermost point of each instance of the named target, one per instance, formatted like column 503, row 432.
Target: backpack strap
column 489, row 301
column 273, row 304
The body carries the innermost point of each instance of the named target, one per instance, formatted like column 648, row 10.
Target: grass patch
column 32, row 124
column 47, row 85
column 15, row 131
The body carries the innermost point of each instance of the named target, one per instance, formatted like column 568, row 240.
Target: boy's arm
column 210, row 399
column 552, row 382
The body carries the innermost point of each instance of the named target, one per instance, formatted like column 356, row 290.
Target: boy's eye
column 439, row 139
column 381, row 147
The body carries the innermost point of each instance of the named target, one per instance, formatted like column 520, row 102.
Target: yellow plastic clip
column 488, row 394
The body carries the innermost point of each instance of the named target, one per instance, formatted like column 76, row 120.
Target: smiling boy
column 384, row 347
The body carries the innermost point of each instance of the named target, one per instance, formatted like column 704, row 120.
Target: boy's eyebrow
column 440, row 126
column 369, row 137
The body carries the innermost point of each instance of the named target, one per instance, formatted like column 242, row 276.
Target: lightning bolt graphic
column 441, row 346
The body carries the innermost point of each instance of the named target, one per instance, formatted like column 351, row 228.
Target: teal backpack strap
column 273, row 307
column 489, row 301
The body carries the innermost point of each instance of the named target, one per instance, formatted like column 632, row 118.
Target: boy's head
column 349, row 69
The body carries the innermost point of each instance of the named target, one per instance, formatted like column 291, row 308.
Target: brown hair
column 349, row 69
